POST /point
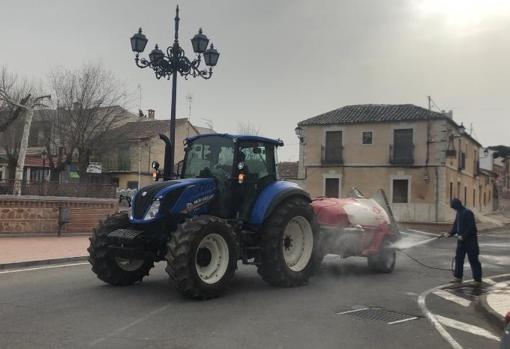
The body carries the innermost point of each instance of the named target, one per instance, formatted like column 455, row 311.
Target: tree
column 247, row 128
column 17, row 103
column 87, row 106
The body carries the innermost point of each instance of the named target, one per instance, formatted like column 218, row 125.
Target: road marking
column 489, row 281
column 439, row 328
column 351, row 311
column 452, row 298
column 432, row 318
column 43, row 267
column 128, row 326
column 462, row 326
column 501, row 245
column 403, row 320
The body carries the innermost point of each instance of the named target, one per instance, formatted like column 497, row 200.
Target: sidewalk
column 27, row 251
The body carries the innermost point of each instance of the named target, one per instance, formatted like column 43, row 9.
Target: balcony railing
column 332, row 157
column 402, row 156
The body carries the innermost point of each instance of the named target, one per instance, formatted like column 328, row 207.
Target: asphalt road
column 68, row 307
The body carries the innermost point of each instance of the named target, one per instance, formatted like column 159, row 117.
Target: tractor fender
column 273, row 195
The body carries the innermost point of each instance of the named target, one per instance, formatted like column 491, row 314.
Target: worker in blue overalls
column 464, row 228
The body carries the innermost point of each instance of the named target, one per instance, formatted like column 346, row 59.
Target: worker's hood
column 456, row 204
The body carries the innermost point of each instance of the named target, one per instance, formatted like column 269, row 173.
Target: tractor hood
column 182, row 196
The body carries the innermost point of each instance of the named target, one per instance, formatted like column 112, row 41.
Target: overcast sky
column 283, row 61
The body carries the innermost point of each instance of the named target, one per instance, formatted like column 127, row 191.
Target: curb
column 492, row 316
column 16, row 265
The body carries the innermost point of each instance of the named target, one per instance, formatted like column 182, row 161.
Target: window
column 400, row 191
column 451, row 191
column 332, row 187
column 462, row 162
column 132, row 185
column 474, row 197
column 458, row 190
column 366, row 137
column 209, row 157
column 124, row 160
column 465, row 196
column 259, row 160
column 333, row 148
column 403, row 147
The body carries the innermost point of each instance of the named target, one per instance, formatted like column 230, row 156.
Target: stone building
column 419, row 157
column 136, row 144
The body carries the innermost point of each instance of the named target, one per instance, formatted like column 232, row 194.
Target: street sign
column 95, row 167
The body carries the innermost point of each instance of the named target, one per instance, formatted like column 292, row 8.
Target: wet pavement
column 68, row 307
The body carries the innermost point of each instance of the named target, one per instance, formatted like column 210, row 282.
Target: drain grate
column 379, row 314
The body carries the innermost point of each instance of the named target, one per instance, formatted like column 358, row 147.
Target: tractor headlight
column 153, row 210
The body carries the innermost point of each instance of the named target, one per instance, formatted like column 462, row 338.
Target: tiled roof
column 367, row 113
column 288, row 170
column 135, row 130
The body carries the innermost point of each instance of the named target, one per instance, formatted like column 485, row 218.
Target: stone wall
column 40, row 214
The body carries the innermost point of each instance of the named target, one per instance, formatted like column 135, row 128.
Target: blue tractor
column 224, row 204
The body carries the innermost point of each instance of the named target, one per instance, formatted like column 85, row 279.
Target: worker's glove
column 460, row 238
column 444, row 235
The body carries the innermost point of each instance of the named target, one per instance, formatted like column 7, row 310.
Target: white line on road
column 404, row 320
column 43, row 267
column 128, row 326
column 446, row 336
column 489, row 281
column 351, row 311
column 462, row 326
column 452, row 298
column 432, row 318
column 501, row 245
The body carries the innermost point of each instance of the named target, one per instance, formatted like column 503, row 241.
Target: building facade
column 421, row 159
column 136, row 144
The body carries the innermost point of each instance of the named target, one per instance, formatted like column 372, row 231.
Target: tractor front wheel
column 115, row 270
column 202, row 257
column 289, row 250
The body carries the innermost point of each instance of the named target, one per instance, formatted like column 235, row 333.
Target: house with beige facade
column 136, row 144
column 420, row 158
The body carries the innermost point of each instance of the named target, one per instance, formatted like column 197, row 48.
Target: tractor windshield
column 209, row 157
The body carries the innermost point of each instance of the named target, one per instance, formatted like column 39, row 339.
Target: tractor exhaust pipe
column 169, row 161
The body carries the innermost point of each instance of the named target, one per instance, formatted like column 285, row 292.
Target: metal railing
column 46, row 188
column 332, row 157
column 400, row 156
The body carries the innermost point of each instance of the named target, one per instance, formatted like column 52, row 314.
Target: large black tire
column 273, row 268
column 194, row 248
column 384, row 260
column 108, row 268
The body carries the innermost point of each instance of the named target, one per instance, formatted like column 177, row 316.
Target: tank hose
column 429, row 266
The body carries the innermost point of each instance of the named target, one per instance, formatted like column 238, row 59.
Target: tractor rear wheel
column 110, row 269
column 202, row 257
column 384, row 260
column 289, row 249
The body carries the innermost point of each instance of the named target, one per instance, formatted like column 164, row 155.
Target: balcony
column 334, row 157
column 402, row 155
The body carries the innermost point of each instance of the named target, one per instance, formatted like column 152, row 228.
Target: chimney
column 151, row 114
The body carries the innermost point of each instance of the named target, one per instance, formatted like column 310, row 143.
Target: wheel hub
column 297, row 243
column 204, row 257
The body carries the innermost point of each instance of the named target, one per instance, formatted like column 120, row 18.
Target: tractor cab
column 241, row 166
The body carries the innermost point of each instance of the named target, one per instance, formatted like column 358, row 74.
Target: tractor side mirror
column 155, row 165
column 156, row 174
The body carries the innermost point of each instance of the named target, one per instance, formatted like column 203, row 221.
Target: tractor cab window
column 209, row 157
column 259, row 161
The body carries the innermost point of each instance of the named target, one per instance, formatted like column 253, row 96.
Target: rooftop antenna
column 189, row 98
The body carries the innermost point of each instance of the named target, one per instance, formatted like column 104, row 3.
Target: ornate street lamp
column 172, row 62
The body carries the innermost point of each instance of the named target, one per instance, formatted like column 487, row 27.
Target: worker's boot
column 456, row 281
